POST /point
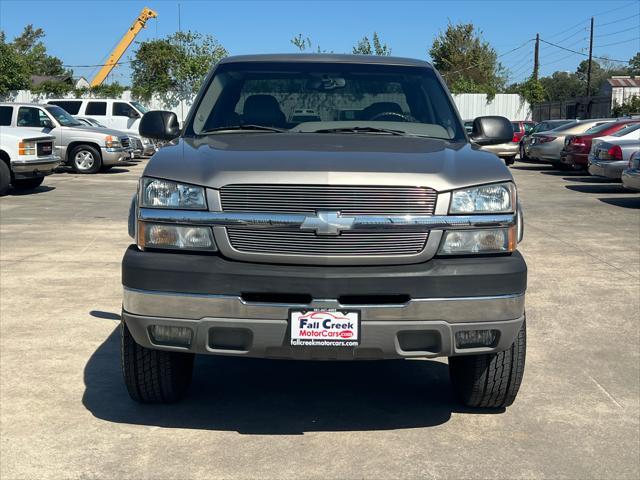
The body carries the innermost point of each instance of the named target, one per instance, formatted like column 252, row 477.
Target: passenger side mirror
column 491, row 130
column 133, row 114
column 159, row 125
column 46, row 123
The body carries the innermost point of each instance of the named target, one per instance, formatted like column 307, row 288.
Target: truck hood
column 98, row 131
column 325, row 159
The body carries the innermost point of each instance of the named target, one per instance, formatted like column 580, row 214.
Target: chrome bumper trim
column 360, row 222
column 199, row 306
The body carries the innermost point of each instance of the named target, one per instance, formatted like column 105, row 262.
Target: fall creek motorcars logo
column 323, row 325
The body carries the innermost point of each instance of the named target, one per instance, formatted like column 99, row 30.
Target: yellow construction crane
column 122, row 46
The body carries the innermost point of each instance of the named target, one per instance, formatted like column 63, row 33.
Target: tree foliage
column 630, row 107
column 27, row 56
column 467, row 62
column 366, row 47
column 14, row 74
column 304, row 44
column 174, row 67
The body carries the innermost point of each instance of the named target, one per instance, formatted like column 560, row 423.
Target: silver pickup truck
column 378, row 234
column 85, row 149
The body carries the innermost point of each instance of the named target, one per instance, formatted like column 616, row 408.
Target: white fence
column 470, row 105
column 510, row 105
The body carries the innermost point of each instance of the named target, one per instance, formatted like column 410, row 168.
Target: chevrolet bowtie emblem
column 327, row 223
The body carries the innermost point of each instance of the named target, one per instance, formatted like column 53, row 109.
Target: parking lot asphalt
column 65, row 413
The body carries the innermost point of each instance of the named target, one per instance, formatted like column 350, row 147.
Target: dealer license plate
column 325, row 328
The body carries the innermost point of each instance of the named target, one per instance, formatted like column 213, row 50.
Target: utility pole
column 536, row 59
column 590, row 54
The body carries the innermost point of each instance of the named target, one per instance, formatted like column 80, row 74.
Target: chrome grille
column 124, row 141
column 348, row 200
column 295, row 242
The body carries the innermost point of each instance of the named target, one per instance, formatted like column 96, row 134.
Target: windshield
column 326, row 98
column 62, row 116
column 140, row 107
column 632, row 127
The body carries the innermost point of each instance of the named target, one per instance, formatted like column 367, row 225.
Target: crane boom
column 122, row 46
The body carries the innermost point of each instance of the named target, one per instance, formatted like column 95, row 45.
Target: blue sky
column 84, row 32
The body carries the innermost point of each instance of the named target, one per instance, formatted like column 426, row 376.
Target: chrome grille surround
column 348, row 200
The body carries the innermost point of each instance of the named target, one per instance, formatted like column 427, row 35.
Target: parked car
column 86, row 149
column 506, row 151
column 89, row 122
column 26, row 155
column 630, row 131
column 576, row 147
column 611, row 158
column 385, row 236
column 543, row 126
column 546, row 146
column 139, row 147
column 631, row 175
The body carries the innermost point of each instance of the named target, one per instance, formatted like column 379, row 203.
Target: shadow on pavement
column 271, row 397
column 532, row 167
column 624, row 202
column 105, row 315
column 598, row 188
column 589, row 179
column 41, row 189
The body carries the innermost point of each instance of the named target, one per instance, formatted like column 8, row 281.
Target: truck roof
column 327, row 58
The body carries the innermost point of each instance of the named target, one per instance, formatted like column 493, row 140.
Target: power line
column 497, row 56
column 583, row 54
column 618, row 43
column 615, row 33
column 618, row 20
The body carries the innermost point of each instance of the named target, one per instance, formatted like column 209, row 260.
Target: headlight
column 26, row 148
column 489, row 240
column 112, row 142
column 157, row 193
column 495, row 198
column 160, row 235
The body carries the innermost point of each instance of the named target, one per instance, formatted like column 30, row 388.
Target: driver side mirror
column 491, row 130
column 159, row 125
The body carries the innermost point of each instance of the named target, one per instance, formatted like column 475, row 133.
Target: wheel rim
column 84, row 160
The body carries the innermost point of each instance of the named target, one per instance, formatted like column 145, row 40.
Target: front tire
column 85, row 159
column 154, row 376
column 27, row 183
column 490, row 380
column 510, row 160
column 5, row 178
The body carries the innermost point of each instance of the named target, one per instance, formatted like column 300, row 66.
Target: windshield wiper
column 245, row 127
column 361, row 130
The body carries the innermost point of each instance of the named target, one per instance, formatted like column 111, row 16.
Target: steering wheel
column 394, row 117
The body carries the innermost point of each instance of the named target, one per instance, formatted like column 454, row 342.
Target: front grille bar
column 295, row 221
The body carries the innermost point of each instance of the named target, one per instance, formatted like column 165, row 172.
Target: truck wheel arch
column 77, row 143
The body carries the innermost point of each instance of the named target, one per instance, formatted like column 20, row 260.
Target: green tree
column 365, row 47
column 562, row 85
column 466, row 61
column 174, row 67
column 630, row 107
column 30, row 46
column 14, row 74
column 531, row 90
column 634, row 65
column 304, row 44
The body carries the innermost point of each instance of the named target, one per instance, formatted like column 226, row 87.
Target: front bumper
column 631, row 179
column 611, row 170
column 40, row 167
column 250, row 302
column 113, row 156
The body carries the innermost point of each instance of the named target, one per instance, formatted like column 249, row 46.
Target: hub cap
column 84, row 160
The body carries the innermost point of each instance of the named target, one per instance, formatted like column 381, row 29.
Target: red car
column 576, row 148
column 521, row 128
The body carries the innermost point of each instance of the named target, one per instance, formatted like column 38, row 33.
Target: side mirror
column 133, row 114
column 46, row 123
column 159, row 125
column 491, row 130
